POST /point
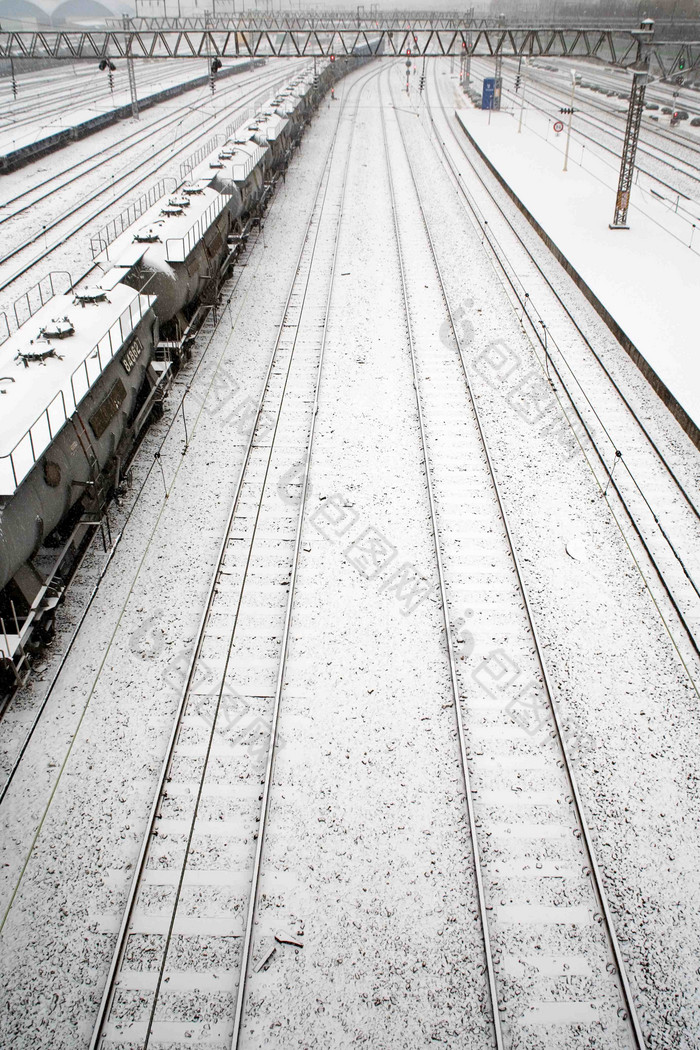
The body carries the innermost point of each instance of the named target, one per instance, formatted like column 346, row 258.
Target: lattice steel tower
column 634, row 119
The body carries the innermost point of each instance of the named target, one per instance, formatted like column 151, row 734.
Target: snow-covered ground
column 61, row 98
column 646, row 276
column 368, row 860
column 54, row 207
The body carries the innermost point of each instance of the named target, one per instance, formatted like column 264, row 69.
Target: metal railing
column 109, row 233
column 4, row 327
column 40, row 294
column 243, row 118
column 251, row 111
column 178, row 248
column 191, row 162
column 16, row 464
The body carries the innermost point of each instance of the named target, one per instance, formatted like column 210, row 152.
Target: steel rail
column 546, row 347
column 277, row 703
column 596, row 102
column 586, row 837
column 139, row 135
column 246, row 571
column 93, row 594
column 478, row 215
column 454, row 684
column 64, row 656
column 608, row 129
column 501, row 257
column 122, row 936
column 26, row 112
column 192, row 137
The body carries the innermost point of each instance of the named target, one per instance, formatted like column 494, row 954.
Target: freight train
column 80, row 379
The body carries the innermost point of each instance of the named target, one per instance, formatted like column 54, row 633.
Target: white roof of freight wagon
column 286, row 102
column 303, row 88
column 43, row 378
column 178, row 229
column 238, row 158
column 270, row 124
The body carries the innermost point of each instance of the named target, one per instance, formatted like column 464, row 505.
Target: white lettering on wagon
column 132, row 355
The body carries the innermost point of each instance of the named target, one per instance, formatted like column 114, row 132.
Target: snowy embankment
column 86, row 96
column 645, row 276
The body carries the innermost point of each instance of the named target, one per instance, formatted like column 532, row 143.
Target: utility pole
column 499, row 70
column 571, row 117
column 644, row 35
column 131, row 75
column 522, row 98
column 465, row 64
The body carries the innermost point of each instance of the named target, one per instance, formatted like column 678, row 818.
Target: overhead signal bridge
column 280, row 36
column 394, row 35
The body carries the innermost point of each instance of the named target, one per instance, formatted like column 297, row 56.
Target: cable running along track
column 257, row 95
column 516, row 1005
column 248, row 564
column 685, row 609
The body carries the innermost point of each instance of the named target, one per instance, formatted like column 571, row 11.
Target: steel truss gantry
column 257, row 36
column 361, row 18
column 277, row 36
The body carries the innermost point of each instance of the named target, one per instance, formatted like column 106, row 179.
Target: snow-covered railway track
column 611, row 122
column 554, row 969
column 72, row 91
column 140, row 170
column 186, row 942
column 84, row 591
column 638, row 453
column 657, row 161
column 58, row 95
column 152, row 123
column 677, row 138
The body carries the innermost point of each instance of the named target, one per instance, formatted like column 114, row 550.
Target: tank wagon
column 81, row 378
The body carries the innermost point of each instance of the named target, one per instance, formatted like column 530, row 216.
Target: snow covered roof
column 271, row 126
column 235, row 159
column 177, row 228
column 50, row 363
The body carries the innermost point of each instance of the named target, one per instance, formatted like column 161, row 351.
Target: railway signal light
column 422, row 83
column 213, row 70
column 106, row 63
column 517, row 82
column 332, row 58
column 567, row 109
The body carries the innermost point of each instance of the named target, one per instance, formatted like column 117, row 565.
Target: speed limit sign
column 558, row 126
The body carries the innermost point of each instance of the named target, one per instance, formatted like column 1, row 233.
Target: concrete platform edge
column 651, row 376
